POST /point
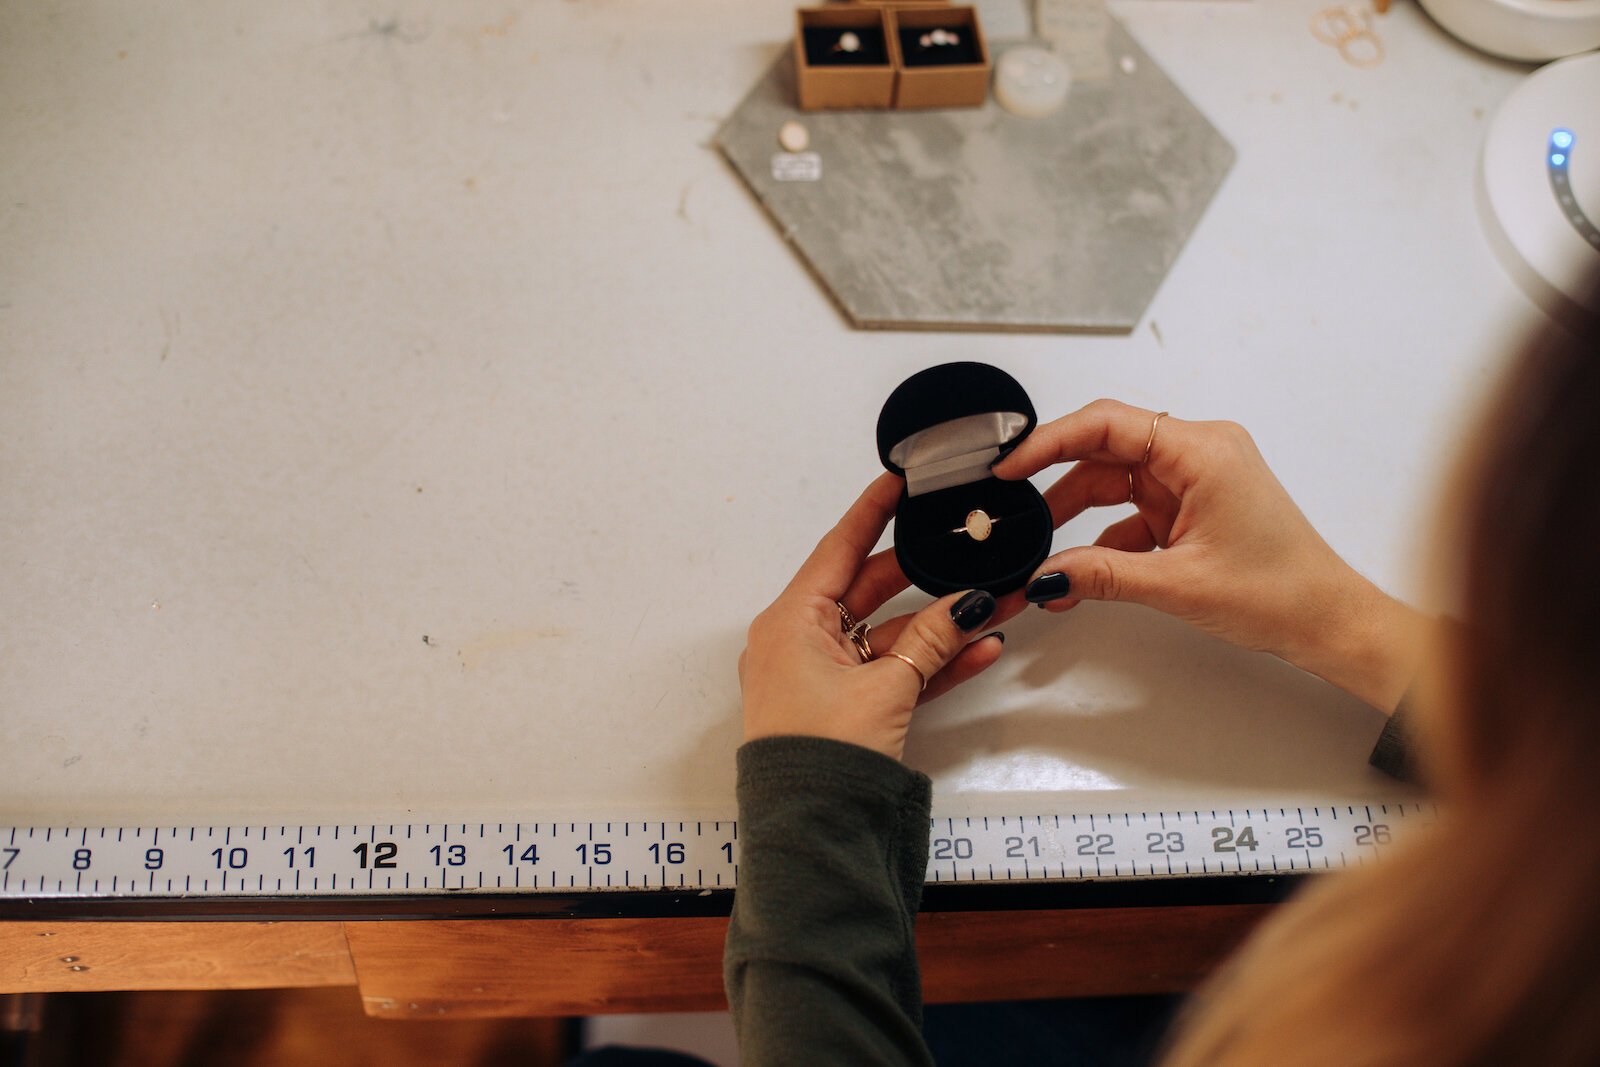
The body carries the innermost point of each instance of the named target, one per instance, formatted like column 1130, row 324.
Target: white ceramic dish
column 1534, row 30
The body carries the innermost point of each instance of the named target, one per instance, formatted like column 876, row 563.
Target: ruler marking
column 182, row 868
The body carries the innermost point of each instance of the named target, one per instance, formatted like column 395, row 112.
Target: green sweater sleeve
column 820, row 962
column 1393, row 752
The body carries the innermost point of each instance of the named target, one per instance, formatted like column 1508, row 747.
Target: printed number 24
column 1223, row 839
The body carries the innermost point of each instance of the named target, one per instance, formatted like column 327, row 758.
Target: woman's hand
column 1238, row 558
column 800, row 672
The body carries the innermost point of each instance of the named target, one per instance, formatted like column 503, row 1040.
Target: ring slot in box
column 957, row 526
column 940, row 73
column 831, row 74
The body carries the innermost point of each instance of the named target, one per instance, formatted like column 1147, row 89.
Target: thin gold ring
column 1130, row 485
column 979, row 524
column 908, row 661
column 858, row 637
column 1155, row 424
column 847, row 621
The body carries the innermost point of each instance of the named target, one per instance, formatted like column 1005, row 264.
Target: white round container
column 1534, row 30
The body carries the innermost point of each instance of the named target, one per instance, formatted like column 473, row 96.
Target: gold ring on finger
column 847, row 621
column 1155, row 424
column 909, row 662
column 858, row 637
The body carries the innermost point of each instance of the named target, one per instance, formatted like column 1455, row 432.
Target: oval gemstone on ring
column 979, row 525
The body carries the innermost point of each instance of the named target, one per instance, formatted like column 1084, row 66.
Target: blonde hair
column 1479, row 943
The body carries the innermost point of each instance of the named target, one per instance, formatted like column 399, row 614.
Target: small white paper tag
column 796, row 167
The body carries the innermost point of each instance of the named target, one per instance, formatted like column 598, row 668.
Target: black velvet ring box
column 942, row 429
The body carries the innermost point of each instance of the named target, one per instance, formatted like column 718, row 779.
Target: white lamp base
column 1539, row 184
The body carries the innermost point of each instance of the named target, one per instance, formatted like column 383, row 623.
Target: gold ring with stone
column 847, row 621
column 978, row 526
column 1155, row 424
column 858, row 637
column 909, row 662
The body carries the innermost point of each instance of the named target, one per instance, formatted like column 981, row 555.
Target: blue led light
column 1561, row 138
column 1557, row 159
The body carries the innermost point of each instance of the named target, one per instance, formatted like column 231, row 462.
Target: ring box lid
column 947, row 425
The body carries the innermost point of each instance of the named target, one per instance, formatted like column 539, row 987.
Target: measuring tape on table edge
column 239, row 869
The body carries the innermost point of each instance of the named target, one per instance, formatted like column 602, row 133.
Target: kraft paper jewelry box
column 831, row 74
column 935, row 71
column 957, row 526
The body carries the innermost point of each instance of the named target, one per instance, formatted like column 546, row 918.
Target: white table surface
column 327, row 327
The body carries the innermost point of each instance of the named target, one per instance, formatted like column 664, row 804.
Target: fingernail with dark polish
column 999, row 635
column 1048, row 587
column 972, row 610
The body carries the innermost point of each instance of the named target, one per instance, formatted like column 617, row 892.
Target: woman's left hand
column 800, row 672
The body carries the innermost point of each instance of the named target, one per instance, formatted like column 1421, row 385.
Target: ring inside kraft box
column 957, row 526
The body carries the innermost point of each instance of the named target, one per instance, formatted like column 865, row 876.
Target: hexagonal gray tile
column 979, row 220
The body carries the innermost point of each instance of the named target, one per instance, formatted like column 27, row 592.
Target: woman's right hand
column 1237, row 558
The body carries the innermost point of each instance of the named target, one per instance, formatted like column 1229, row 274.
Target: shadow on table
column 1140, row 700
